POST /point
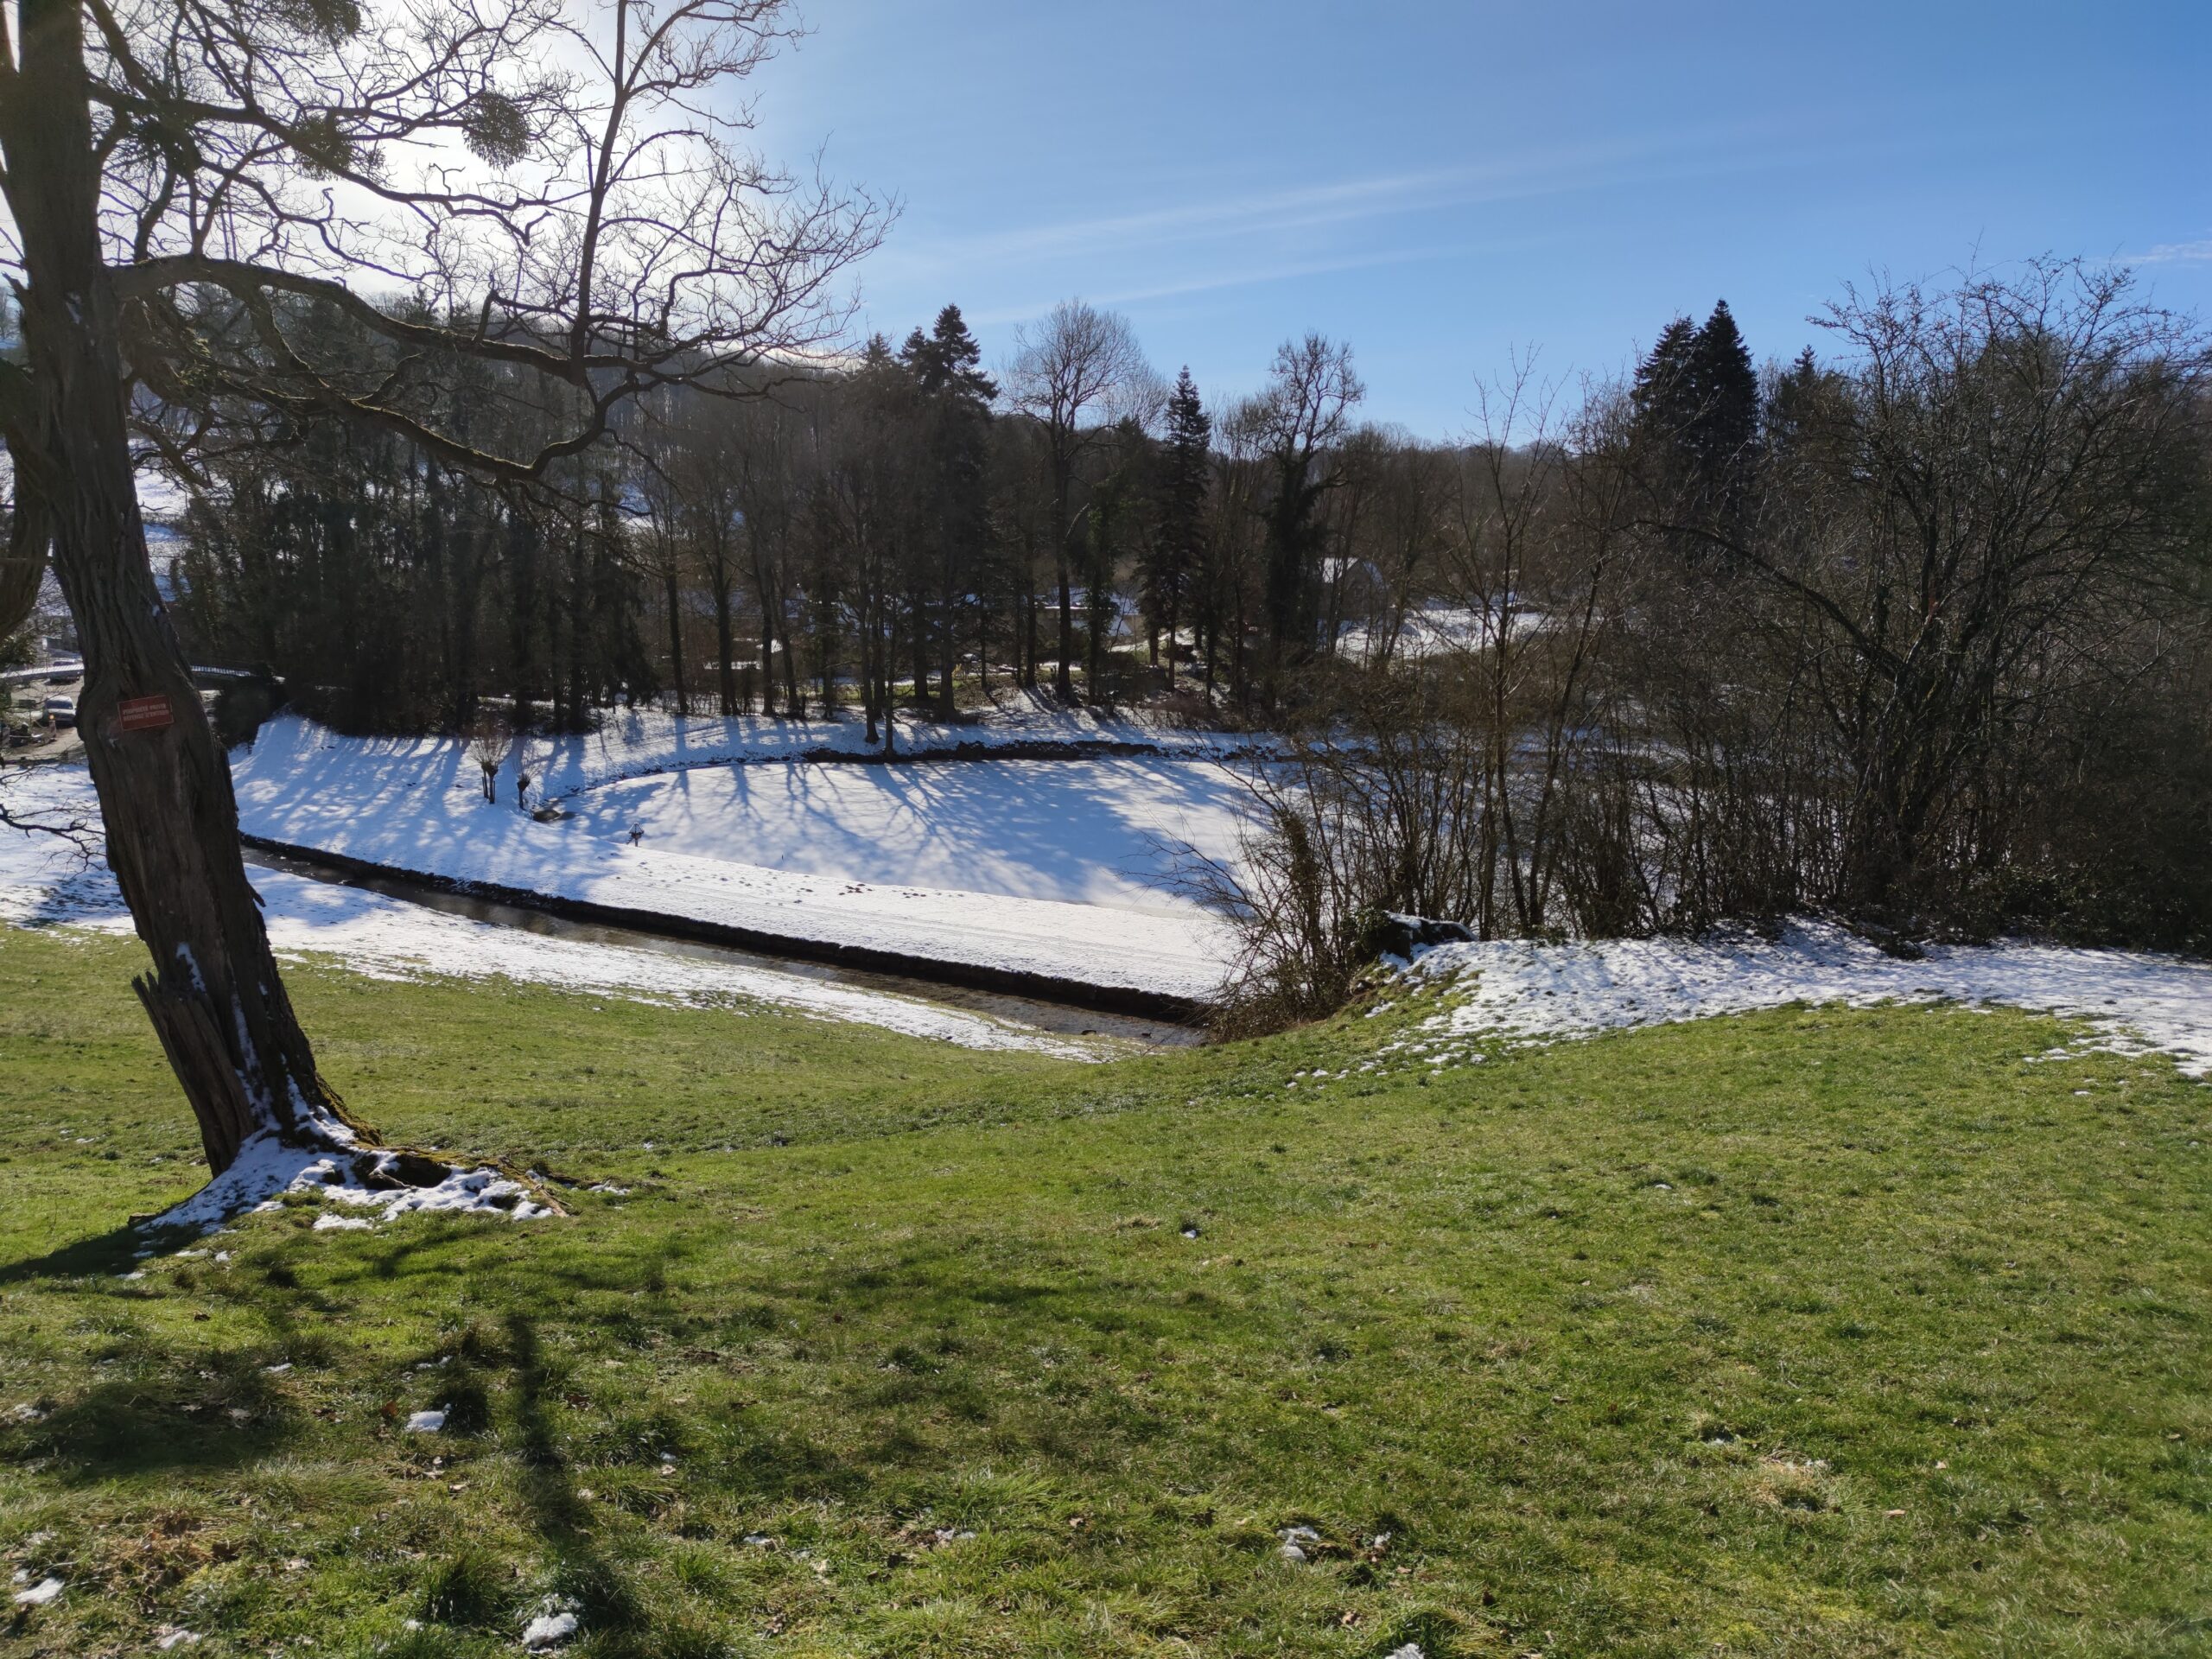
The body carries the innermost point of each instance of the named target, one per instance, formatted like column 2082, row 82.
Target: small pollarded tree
column 552, row 198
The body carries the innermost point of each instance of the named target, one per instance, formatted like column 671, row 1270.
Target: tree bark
column 676, row 638
column 725, row 640
column 214, row 995
column 23, row 565
column 1063, row 487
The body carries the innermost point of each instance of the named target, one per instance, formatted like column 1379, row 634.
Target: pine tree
column 1696, row 399
column 1723, row 431
column 1665, row 393
column 1790, row 407
column 956, row 415
column 945, row 360
column 1177, row 553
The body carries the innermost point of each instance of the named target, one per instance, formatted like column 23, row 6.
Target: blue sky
column 1447, row 186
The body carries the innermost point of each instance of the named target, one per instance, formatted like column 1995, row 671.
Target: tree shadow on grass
column 605, row 1600
column 113, row 1251
column 211, row 1409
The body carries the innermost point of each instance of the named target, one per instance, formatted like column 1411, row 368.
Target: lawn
column 1805, row 1333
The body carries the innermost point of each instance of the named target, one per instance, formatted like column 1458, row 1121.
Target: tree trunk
column 1063, row 487
column 25, row 563
column 948, row 646
column 794, row 703
column 215, row 996
column 919, row 643
column 676, row 638
column 725, row 642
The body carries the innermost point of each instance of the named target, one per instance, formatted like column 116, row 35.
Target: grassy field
column 1808, row 1333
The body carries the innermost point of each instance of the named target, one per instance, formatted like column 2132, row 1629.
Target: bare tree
column 1076, row 373
column 192, row 188
column 1951, row 531
column 490, row 734
column 1301, row 418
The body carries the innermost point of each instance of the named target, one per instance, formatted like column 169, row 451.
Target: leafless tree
column 192, row 189
column 490, row 735
column 1076, row 373
column 1971, row 508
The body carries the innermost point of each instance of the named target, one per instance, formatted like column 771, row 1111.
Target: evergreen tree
column 1723, row 431
column 946, row 360
column 1696, row 399
column 1665, row 393
column 1790, row 407
column 956, row 397
column 1176, row 555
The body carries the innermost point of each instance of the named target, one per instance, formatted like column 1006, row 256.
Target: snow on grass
column 266, row 1169
column 1522, row 992
column 45, row 881
column 416, row 805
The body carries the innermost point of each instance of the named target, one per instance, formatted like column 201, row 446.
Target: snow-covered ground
column 1049, row 868
column 1082, row 832
column 1439, row 630
column 45, row 881
column 1520, row 992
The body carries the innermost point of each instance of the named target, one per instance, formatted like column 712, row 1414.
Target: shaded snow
column 1088, row 832
column 44, row 880
column 1525, row 991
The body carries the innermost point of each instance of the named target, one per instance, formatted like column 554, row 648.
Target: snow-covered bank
column 1520, row 992
column 44, row 880
column 416, row 805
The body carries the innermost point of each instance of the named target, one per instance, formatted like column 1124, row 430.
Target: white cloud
column 2169, row 253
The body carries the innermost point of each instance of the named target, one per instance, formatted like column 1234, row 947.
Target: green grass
column 1809, row 1333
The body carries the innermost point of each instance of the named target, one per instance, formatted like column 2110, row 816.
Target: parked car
column 62, row 711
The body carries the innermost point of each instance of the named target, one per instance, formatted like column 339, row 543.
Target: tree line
column 1919, row 633
column 1915, row 629
column 1894, row 632
column 899, row 528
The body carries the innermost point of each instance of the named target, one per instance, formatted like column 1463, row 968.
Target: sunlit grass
column 1809, row 1332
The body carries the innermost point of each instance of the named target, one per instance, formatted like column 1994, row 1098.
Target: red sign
column 144, row 714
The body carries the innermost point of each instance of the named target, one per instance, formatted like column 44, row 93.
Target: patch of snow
column 171, row 1636
column 427, row 1422
column 266, row 1166
column 1525, row 991
column 45, row 1590
column 549, row 1630
column 1087, row 832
